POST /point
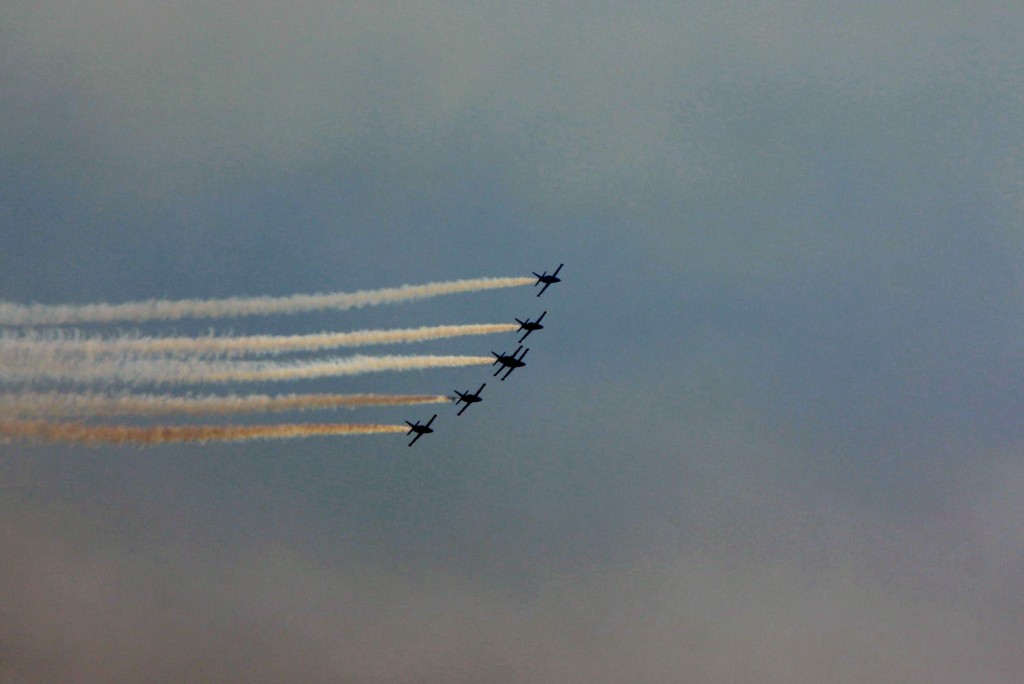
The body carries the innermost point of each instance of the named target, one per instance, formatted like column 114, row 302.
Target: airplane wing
column 418, row 435
column 430, row 421
column 508, row 372
column 481, row 389
column 558, row 269
column 463, row 409
column 542, row 289
column 541, row 317
column 525, row 336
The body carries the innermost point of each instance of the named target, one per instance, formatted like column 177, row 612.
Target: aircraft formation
column 63, row 383
column 505, row 362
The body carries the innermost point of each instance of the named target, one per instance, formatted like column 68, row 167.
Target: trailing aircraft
column 547, row 279
column 529, row 326
column 509, row 361
column 420, row 430
column 469, row 398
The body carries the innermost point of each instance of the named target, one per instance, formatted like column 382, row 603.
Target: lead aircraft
column 547, row 279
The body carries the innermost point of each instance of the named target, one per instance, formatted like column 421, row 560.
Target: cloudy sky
column 771, row 431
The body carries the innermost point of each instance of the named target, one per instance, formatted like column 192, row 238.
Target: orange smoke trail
column 156, row 309
column 68, row 404
column 50, row 345
column 166, row 434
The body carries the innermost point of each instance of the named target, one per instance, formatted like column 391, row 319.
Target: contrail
column 167, row 371
column 158, row 309
column 164, row 434
column 54, row 343
column 70, row 405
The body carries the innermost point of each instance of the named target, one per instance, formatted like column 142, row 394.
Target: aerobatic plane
column 469, row 398
column 420, row 430
column 547, row 279
column 529, row 326
column 509, row 361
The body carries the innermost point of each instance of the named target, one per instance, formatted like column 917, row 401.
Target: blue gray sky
column 770, row 433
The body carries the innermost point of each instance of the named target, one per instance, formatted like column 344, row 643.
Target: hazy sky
column 771, row 431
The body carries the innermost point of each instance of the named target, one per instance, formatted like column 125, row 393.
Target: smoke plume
column 171, row 371
column 156, row 309
column 54, row 344
column 70, row 404
column 165, row 434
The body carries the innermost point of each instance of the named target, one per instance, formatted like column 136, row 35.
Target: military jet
column 420, row 430
column 469, row 398
column 509, row 361
column 547, row 279
column 529, row 326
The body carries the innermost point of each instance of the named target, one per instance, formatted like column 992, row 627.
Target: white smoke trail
column 156, row 309
column 14, row 348
column 167, row 371
column 91, row 404
column 164, row 434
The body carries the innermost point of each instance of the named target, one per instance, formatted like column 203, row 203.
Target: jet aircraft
column 469, row 398
column 547, row 279
column 529, row 326
column 509, row 361
column 420, row 430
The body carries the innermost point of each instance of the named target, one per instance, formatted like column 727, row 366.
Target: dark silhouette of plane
column 420, row 430
column 469, row 398
column 547, row 279
column 529, row 326
column 509, row 361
